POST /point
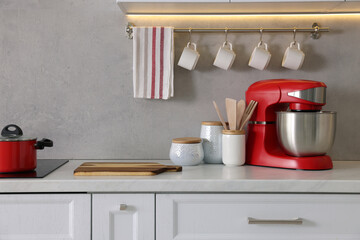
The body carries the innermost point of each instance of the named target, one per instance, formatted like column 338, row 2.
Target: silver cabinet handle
column 274, row 221
column 123, row 207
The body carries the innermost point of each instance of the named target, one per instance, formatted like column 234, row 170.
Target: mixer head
column 282, row 94
column 314, row 95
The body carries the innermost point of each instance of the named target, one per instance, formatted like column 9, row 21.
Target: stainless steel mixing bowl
column 304, row 134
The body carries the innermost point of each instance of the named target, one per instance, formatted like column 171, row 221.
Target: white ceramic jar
column 211, row 135
column 233, row 147
column 186, row 151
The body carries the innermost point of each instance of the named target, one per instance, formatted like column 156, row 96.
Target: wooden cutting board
column 123, row 169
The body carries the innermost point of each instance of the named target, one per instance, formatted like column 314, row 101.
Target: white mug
column 225, row 56
column 189, row 57
column 293, row 57
column 260, row 56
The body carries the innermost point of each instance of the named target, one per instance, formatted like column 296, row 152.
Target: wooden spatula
column 220, row 116
column 231, row 112
column 239, row 112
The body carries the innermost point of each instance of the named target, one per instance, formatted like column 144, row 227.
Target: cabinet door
column 257, row 217
column 45, row 216
column 123, row 217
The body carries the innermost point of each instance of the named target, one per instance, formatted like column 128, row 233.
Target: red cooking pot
column 18, row 153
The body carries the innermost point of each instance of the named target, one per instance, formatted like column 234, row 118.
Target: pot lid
column 13, row 133
column 187, row 140
column 211, row 123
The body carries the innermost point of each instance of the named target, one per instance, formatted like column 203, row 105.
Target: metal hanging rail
column 315, row 30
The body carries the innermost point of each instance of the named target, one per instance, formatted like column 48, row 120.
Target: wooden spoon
column 231, row 112
column 220, row 116
column 239, row 112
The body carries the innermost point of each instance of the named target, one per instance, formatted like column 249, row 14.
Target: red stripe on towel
column 153, row 63
column 161, row 63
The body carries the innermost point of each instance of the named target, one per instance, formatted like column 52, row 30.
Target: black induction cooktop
column 44, row 167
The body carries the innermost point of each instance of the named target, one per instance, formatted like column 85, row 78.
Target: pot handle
column 43, row 143
column 17, row 132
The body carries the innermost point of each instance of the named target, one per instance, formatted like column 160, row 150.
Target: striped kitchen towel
column 153, row 62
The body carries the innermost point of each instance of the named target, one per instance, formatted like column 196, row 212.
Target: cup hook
column 294, row 38
column 226, row 35
column 190, row 34
column 261, row 36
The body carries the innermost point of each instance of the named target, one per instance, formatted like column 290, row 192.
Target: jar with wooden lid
column 187, row 151
column 211, row 134
column 233, row 147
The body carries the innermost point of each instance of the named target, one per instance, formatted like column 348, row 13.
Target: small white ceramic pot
column 212, row 141
column 233, row 147
column 186, row 151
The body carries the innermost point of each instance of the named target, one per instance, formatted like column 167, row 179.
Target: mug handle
column 228, row 43
column 192, row 44
column 265, row 45
column 293, row 44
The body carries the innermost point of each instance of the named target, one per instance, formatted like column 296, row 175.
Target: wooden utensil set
column 237, row 113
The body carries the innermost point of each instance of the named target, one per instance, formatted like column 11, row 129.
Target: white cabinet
column 45, row 216
column 123, row 217
column 180, row 216
column 272, row 216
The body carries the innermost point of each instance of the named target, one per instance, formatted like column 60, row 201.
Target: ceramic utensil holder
column 233, row 147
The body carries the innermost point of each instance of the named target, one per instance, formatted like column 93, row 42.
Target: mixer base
column 304, row 163
column 262, row 149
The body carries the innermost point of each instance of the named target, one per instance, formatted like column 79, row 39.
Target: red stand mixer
column 288, row 128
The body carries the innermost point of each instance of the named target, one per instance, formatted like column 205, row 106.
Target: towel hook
column 129, row 30
column 294, row 38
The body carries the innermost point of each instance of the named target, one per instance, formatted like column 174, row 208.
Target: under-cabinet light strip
column 245, row 14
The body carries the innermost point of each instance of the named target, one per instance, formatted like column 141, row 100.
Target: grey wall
column 65, row 74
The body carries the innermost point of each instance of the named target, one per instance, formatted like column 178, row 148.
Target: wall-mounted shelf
column 237, row 6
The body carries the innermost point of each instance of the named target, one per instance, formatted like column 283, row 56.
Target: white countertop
column 344, row 178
